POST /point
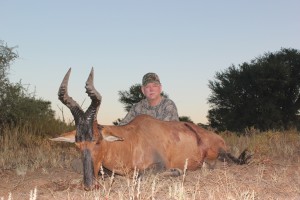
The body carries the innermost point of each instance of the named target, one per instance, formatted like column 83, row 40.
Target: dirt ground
column 265, row 179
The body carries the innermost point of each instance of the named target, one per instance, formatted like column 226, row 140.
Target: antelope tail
column 228, row 157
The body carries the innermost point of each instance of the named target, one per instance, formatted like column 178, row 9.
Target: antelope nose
column 88, row 188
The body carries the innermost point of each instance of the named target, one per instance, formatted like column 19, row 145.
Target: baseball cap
column 150, row 78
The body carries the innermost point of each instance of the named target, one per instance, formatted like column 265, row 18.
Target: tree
column 17, row 104
column 131, row 97
column 7, row 56
column 264, row 93
column 185, row 119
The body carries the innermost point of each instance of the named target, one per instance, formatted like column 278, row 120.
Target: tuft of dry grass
column 32, row 167
column 20, row 150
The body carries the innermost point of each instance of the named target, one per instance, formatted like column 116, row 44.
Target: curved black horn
column 84, row 122
column 63, row 96
column 94, row 95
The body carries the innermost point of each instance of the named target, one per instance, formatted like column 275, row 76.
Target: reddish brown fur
column 147, row 143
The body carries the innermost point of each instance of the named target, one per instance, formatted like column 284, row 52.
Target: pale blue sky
column 184, row 42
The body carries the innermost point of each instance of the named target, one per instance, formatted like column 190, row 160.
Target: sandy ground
column 259, row 180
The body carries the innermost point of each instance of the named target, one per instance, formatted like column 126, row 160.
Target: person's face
column 152, row 91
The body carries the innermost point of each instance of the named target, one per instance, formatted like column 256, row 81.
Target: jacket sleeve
column 130, row 116
column 170, row 112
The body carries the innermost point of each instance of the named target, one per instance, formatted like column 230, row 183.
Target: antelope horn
column 94, row 95
column 67, row 100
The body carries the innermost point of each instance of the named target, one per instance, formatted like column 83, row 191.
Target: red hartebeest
column 142, row 144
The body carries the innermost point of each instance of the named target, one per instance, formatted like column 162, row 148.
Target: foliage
column 117, row 122
column 185, row 119
column 263, row 94
column 7, row 55
column 131, row 97
column 18, row 105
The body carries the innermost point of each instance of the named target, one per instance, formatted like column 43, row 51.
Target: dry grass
column 32, row 167
column 21, row 151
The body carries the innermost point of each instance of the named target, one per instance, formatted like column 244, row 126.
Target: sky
column 185, row 42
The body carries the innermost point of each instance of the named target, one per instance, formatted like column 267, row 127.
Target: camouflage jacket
column 166, row 110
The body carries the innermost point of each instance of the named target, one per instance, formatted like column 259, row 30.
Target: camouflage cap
column 150, row 78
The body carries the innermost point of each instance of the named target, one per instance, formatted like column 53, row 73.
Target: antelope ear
column 108, row 136
column 66, row 137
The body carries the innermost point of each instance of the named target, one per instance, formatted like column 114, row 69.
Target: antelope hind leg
column 173, row 172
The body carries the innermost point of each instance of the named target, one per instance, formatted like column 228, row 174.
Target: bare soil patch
column 261, row 179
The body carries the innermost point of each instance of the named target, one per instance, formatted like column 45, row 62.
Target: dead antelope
column 142, row 144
